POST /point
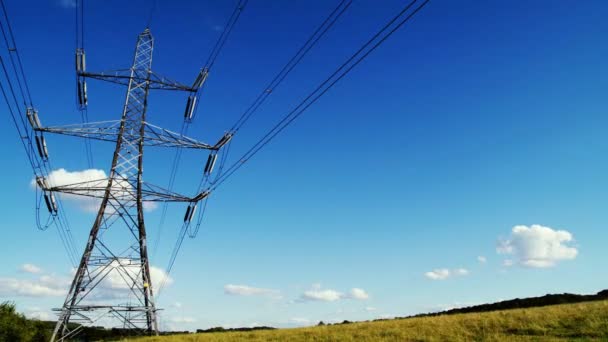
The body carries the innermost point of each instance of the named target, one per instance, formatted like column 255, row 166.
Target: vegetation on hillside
column 587, row 320
column 522, row 303
column 15, row 327
column 566, row 322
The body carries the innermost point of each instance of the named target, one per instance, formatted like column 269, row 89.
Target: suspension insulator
column 82, row 93
column 42, row 149
column 210, row 163
column 32, row 117
column 80, row 61
column 200, row 78
column 190, row 212
column 190, row 105
column 223, row 141
column 53, row 203
column 47, row 201
column 187, row 215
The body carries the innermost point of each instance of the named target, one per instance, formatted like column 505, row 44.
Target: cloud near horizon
column 113, row 285
column 30, row 268
column 444, row 273
column 244, row 290
column 44, row 286
column 537, row 246
column 329, row 295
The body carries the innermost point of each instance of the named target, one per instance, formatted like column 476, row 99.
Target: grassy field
column 568, row 322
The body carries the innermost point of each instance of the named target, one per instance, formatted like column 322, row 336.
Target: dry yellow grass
column 584, row 322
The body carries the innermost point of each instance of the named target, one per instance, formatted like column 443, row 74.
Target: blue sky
column 474, row 119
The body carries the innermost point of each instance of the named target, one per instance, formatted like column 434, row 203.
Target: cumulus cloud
column 359, row 294
column 244, row 290
column 460, row 272
column 444, row 273
column 482, row 259
column 121, row 278
column 329, row 295
column 30, row 268
column 86, row 179
column 537, row 246
column 322, row 295
column 114, row 284
column 45, row 286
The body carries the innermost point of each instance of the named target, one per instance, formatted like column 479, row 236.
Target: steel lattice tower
column 123, row 195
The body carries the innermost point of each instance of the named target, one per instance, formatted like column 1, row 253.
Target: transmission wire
column 320, row 90
column 213, row 55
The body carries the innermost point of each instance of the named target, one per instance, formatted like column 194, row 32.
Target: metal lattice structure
column 113, row 280
column 119, row 262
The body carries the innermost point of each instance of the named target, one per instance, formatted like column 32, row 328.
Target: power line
column 336, row 76
column 234, row 17
column 40, row 167
column 80, row 53
column 389, row 28
column 312, row 40
column 293, row 62
column 12, row 47
column 213, row 55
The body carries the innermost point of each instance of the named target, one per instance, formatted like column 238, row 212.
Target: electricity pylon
column 113, row 279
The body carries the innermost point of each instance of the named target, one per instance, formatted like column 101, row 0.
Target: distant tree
column 321, row 323
column 13, row 325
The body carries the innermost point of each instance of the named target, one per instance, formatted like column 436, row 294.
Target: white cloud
column 482, row 259
column 244, row 290
column 370, row 308
column 537, row 246
column 45, row 286
column 62, row 177
column 438, row 274
column 122, row 280
column 329, row 295
column 177, row 305
column 30, row 268
column 460, row 272
column 359, row 294
column 444, row 273
column 322, row 295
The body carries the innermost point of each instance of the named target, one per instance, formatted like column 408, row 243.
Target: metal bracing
column 113, row 281
column 120, row 191
column 109, row 131
column 123, row 77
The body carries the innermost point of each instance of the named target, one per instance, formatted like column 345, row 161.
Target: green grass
column 580, row 322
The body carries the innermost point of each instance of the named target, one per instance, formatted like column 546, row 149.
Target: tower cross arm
column 122, row 190
column 110, row 131
column 123, row 76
